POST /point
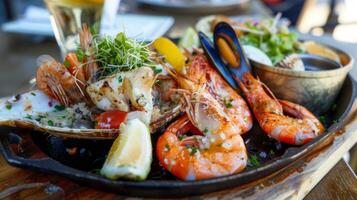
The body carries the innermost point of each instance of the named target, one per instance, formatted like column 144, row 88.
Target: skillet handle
column 45, row 164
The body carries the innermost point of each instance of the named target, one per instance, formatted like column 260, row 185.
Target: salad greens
column 272, row 38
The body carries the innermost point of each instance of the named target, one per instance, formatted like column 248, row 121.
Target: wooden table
column 18, row 66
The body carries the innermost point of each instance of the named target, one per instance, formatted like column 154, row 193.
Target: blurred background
column 26, row 32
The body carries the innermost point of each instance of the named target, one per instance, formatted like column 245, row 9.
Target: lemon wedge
column 79, row 3
column 171, row 52
column 131, row 154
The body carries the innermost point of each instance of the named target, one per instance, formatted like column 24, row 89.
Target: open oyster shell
column 33, row 109
column 36, row 111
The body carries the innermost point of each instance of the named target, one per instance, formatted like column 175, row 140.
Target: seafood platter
column 227, row 104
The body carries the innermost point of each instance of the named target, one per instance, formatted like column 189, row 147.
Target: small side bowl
column 316, row 90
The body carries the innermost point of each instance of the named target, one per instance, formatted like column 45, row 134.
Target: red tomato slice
column 111, row 119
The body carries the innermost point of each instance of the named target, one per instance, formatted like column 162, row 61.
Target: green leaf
column 253, row 161
column 322, row 119
column 80, row 54
column 167, row 146
column 8, row 105
column 181, row 137
column 205, row 130
column 50, row 122
column 228, row 103
column 194, row 150
column 120, row 79
column 60, row 107
column 67, row 64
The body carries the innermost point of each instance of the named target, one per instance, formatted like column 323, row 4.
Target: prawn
column 67, row 82
column 216, row 150
column 56, row 81
column 206, row 142
column 200, row 72
column 282, row 120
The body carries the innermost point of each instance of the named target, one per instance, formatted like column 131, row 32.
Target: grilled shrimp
column 216, row 147
column 67, row 83
column 216, row 150
column 200, row 72
column 56, row 81
column 282, row 120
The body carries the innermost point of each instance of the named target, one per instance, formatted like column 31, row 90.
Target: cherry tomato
column 111, row 119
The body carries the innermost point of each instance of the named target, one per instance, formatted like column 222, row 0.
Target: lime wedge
column 131, row 154
column 171, row 52
column 189, row 40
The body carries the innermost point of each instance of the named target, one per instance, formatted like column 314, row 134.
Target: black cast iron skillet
column 91, row 154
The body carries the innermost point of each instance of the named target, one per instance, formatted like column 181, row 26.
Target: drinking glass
column 67, row 18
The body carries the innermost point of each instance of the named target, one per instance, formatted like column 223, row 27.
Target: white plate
column 200, row 6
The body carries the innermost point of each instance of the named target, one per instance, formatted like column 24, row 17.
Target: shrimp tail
column 300, row 112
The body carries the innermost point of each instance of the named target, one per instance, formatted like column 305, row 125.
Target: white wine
column 67, row 18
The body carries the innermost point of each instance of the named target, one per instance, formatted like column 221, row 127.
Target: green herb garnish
column 33, row 94
column 194, row 150
column 8, row 105
column 181, row 137
column 120, row 79
column 28, row 116
column 322, row 119
column 158, row 82
column 67, row 64
column 167, row 146
column 205, row 130
column 80, row 54
column 253, row 161
column 60, row 107
column 157, row 70
column 228, row 103
column 50, row 122
column 119, row 54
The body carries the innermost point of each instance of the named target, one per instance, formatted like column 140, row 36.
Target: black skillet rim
column 177, row 188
